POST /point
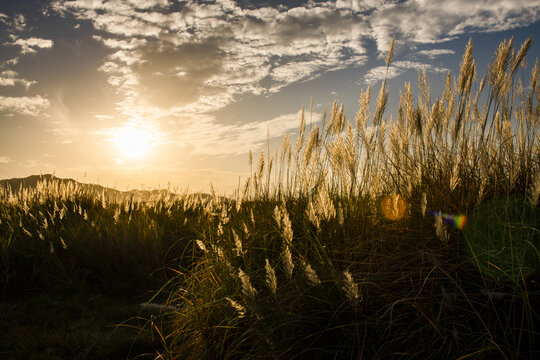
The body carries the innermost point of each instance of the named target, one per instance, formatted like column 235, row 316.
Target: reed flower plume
column 311, row 274
column 247, row 289
column 288, row 264
column 271, row 279
column 351, row 288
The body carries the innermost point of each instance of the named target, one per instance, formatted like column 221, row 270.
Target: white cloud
column 16, row 22
column 433, row 53
column 146, row 4
column 256, row 50
column 397, row 68
column 62, row 130
column 5, row 159
column 104, row 117
column 32, row 106
column 10, row 78
column 233, row 51
column 31, row 45
column 433, row 21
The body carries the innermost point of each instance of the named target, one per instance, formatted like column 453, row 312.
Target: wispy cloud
column 14, row 23
column 434, row 53
column 24, row 105
column 103, row 117
column 5, row 159
column 437, row 21
column 202, row 56
column 11, row 78
column 208, row 137
column 31, row 45
column 397, row 68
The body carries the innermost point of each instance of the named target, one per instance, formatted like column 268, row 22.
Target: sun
column 133, row 143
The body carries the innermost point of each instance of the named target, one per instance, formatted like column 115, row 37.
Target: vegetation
column 337, row 245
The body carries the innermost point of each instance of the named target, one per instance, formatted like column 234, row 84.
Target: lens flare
column 458, row 221
column 394, row 207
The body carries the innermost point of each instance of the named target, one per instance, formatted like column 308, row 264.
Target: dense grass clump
column 60, row 236
column 351, row 241
column 338, row 247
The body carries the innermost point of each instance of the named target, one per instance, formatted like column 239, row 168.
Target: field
column 407, row 236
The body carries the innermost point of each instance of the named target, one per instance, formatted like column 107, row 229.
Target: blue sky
column 142, row 93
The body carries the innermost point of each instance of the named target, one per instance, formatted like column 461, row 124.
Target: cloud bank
column 24, row 105
column 202, row 55
column 185, row 60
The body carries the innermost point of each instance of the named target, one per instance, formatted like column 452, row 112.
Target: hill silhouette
column 32, row 181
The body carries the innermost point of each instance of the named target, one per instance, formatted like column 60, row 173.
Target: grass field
column 407, row 236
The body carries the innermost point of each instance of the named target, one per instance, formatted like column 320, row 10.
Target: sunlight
column 133, row 142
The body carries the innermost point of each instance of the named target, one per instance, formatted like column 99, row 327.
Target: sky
column 156, row 93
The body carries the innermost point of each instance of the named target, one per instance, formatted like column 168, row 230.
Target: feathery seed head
column 467, row 67
column 311, row 274
column 390, row 53
column 26, row 232
column 288, row 262
column 287, row 226
column 277, row 216
column 271, row 279
column 220, row 229
column 351, row 288
column 237, row 244
column 201, row 245
column 240, row 309
column 382, row 102
column 520, row 57
column 247, row 289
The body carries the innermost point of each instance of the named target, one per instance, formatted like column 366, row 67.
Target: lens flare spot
column 394, row 207
column 458, row 221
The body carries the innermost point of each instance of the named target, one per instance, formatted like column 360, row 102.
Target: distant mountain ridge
column 31, row 182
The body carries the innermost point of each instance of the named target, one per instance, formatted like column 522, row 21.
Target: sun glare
column 133, row 143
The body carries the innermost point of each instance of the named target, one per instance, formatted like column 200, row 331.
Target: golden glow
column 394, row 206
column 133, row 143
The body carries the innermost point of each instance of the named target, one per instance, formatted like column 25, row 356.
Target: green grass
column 335, row 247
column 502, row 236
